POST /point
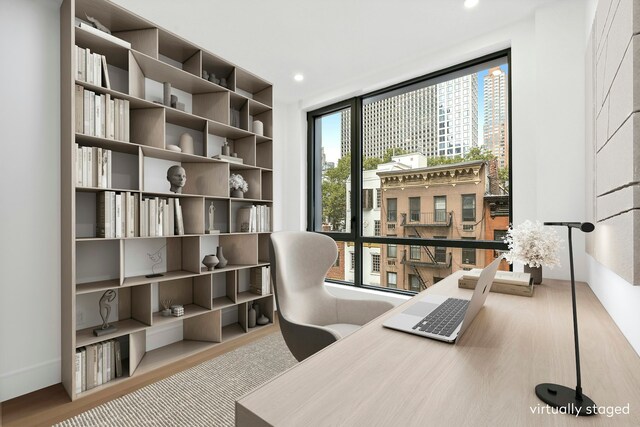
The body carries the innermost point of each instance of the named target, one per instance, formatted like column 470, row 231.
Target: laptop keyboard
column 444, row 319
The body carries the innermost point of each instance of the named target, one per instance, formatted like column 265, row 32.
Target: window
column 392, row 251
column 414, row 252
column 499, row 235
column 392, row 279
column 414, row 283
column 337, row 261
column 440, row 208
column 427, row 128
column 468, row 207
column 392, row 210
column 468, row 254
column 375, row 263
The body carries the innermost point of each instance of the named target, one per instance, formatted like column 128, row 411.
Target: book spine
column 118, row 218
column 99, row 371
column 127, row 131
column 92, row 366
column 98, row 116
column 109, row 184
column 92, row 113
column 99, row 167
column 89, row 66
column 100, row 214
column 85, row 166
column 105, row 73
column 79, row 109
column 78, row 371
column 83, row 372
column 153, row 208
column 79, row 181
column 112, row 359
column 136, row 215
column 172, row 217
column 86, row 112
column 118, row 359
column 116, row 119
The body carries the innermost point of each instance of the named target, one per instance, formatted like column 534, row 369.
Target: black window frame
column 469, row 197
column 436, row 211
column 414, row 216
column 355, row 235
column 393, row 218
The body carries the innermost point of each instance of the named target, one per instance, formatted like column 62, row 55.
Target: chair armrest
column 303, row 339
column 360, row 311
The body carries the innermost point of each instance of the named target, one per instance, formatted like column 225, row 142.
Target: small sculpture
column 210, row 261
column 262, row 320
column 173, row 101
column 97, row 24
column 105, row 311
column 212, row 210
column 223, row 82
column 177, row 176
column 166, row 307
column 205, row 75
column 186, row 143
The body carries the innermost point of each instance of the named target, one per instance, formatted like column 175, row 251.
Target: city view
column 435, row 165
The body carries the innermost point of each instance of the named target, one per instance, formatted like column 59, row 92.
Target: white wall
column 30, row 212
column 547, row 111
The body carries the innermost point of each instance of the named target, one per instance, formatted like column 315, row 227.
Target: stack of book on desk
column 505, row 282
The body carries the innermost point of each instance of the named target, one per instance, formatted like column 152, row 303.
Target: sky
column 331, row 123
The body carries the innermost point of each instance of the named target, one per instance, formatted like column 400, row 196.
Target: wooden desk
column 381, row 377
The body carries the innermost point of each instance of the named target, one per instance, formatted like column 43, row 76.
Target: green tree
column 475, row 153
column 334, row 193
column 503, row 178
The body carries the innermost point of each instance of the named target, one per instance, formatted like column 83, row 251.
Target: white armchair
column 310, row 317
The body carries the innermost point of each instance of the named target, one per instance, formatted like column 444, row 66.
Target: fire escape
column 426, row 219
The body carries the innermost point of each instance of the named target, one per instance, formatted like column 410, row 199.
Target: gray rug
column 204, row 395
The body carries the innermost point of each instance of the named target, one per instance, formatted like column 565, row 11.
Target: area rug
column 204, row 395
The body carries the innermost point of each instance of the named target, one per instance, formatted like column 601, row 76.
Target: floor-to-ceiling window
column 414, row 181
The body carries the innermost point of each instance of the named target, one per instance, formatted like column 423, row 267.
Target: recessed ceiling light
column 470, row 3
column 298, row 77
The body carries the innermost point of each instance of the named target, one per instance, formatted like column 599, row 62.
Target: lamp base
column 559, row 396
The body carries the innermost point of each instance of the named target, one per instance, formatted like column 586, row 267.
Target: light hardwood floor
column 52, row 404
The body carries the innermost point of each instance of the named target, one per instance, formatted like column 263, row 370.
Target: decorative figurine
column 166, row 307
column 186, row 143
column 177, row 176
column 212, row 210
column 105, row 311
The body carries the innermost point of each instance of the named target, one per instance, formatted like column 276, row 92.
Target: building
column 496, row 219
column 440, row 202
column 457, row 116
column 495, row 130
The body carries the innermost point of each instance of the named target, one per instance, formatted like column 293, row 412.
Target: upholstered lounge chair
column 310, row 317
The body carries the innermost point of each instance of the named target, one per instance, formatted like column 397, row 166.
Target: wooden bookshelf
column 216, row 303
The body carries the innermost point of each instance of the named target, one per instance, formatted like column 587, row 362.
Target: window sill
column 348, row 291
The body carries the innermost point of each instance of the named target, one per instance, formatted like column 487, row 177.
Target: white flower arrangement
column 237, row 182
column 533, row 245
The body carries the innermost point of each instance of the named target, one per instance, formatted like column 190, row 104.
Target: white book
column 172, row 217
column 105, row 73
column 86, row 112
column 112, row 359
column 109, row 184
column 165, row 219
column 121, row 118
column 99, row 373
column 126, row 120
column 118, row 216
column 107, row 116
column 144, row 218
column 112, row 119
column 105, row 362
column 153, row 212
column 123, row 215
column 79, row 109
column 104, row 164
column 80, row 63
column 159, row 218
column 89, row 66
column 97, row 69
column 78, row 371
column 98, row 116
column 92, row 114
column 131, row 205
column 88, row 28
column 95, row 167
column 103, row 121
column 83, row 371
column 116, row 119
column 86, row 155
column 136, row 215
column 79, row 181
column 179, row 222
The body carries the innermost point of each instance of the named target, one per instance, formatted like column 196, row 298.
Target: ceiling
column 329, row 41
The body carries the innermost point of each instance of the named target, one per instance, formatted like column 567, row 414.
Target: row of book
column 161, row 217
column 116, row 214
column 91, row 67
column 97, row 364
column 93, row 167
column 254, row 219
column 101, row 115
column 260, row 280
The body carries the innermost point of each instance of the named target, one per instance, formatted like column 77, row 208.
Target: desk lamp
column 559, row 396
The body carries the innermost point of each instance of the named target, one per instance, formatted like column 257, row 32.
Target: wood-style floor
column 52, row 404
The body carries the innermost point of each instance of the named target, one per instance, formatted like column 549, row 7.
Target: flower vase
column 536, row 273
column 210, row 261
column 237, row 193
column 222, row 261
column 252, row 318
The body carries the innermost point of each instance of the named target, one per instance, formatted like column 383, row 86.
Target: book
column 112, row 359
column 105, row 73
column 501, row 288
column 112, row 121
column 78, row 160
column 92, row 366
column 127, row 131
column 92, row 113
column 179, row 223
column 90, row 29
column 153, row 212
column 86, row 112
column 118, row 358
column 100, row 358
column 106, row 358
column 118, row 216
column 79, row 109
column 171, row 213
column 88, row 66
column 83, row 372
column 108, row 168
column 510, row 277
column 78, row 371
column 97, row 69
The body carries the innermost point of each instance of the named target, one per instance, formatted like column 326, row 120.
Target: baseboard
column 26, row 380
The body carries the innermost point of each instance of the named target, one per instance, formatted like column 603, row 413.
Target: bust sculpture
column 177, row 177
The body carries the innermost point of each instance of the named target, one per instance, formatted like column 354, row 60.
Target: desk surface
column 381, row 377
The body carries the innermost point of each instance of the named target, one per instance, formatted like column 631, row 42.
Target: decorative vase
column 210, row 261
column 222, row 260
column 226, row 150
column 256, row 307
column 258, row 128
column 237, row 193
column 166, row 94
column 186, row 143
column 536, row 273
column 262, row 320
column 166, row 312
column 252, row 318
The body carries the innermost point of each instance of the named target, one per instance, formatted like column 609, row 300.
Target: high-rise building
column 495, row 115
column 437, row 120
column 457, row 116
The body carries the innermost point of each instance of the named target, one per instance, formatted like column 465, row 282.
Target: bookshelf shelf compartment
column 92, row 265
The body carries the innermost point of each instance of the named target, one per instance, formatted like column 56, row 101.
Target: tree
column 334, row 193
column 475, row 153
column 503, row 178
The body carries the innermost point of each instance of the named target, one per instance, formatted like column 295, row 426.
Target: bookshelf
column 216, row 303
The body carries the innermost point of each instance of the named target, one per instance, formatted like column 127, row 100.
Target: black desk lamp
column 559, row 396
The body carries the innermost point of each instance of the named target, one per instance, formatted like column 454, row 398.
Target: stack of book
column 260, row 280
column 91, row 67
column 100, row 115
column 93, row 167
column 254, row 219
column 161, row 217
column 505, row 282
column 97, row 364
column 116, row 215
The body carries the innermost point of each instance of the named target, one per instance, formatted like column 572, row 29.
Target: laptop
column 441, row 318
